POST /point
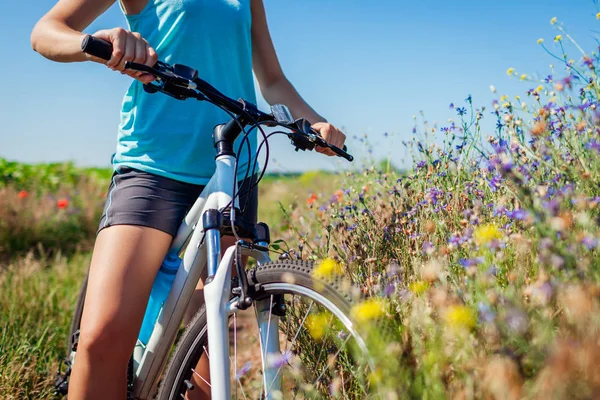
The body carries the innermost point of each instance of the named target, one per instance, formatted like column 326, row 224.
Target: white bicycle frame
column 202, row 249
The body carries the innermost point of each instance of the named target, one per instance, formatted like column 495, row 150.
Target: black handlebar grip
column 97, row 47
column 342, row 152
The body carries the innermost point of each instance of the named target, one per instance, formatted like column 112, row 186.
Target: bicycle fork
column 217, row 294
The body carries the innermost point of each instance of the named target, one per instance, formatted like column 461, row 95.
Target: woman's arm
column 275, row 87
column 58, row 36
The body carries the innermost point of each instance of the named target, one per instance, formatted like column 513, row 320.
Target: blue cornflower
column 461, row 111
column 486, row 314
column 470, row 262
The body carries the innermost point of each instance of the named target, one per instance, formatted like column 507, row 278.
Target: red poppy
column 62, row 203
column 311, row 199
column 23, row 194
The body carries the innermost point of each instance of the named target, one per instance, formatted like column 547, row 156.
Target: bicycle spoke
column 237, row 378
column 324, row 341
column 334, row 358
column 235, row 352
column 267, row 346
column 293, row 341
column 301, row 323
column 200, row 376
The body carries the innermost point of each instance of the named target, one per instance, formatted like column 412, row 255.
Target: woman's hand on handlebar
column 332, row 135
column 128, row 46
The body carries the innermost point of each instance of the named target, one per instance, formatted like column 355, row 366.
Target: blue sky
column 367, row 66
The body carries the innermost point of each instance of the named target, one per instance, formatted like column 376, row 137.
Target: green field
column 483, row 257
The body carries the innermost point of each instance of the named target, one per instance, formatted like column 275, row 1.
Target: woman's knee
column 106, row 342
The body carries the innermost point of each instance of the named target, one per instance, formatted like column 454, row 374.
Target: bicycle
column 285, row 294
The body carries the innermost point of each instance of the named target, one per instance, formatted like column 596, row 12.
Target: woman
column 164, row 152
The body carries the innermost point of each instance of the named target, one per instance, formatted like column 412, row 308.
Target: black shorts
column 140, row 198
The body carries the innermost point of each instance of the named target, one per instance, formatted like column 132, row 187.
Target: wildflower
column 486, row 314
column 279, row 360
column 487, row 233
column 339, row 194
column 243, row 371
column 516, row 320
column 317, row 325
column 418, row 287
column 558, row 38
column 460, row 317
column 539, row 88
column 553, row 21
column 62, row 203
column 311, row 199
column 492, row 88
column 510, row 71
column 327, row 268
column 540, row 41
column 538, row 128
column 368, row 310
column 598, row 16
column 23, row 194
column 523, row 77
column 470, row 262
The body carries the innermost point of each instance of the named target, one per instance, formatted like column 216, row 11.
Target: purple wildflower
column 281, row 360
column 516, row 320
column 486, row 314
column 495, row 182
column 243, row 371
column 589, row 242
column 593, row 145
column 470, row 262
column 518, row 214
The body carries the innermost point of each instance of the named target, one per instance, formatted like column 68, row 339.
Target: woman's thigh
column 124, row 265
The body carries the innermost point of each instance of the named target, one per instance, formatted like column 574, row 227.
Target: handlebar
column 182, row 82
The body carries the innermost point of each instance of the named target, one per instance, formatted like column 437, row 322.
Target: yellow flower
column 558, row 38
column 540, row 41
column 506, row 105
column 553, row 21
column 539, row 88
column 375, row 376
column 418, row 287
column 598, row 16
column 327, row 268
column 317, row 325
column 510, row 71
column 523, row 77
column 485, row 234
column 460, row 317
column 504, row 98
column 368, row 310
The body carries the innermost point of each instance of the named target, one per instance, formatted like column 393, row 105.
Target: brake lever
column 315, row 139
column 175, row 80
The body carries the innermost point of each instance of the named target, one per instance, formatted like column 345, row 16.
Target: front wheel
column 322, row 354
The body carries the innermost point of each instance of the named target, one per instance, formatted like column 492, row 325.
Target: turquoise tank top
column 173, row 138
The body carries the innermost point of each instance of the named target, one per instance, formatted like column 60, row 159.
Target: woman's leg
column 124, row 264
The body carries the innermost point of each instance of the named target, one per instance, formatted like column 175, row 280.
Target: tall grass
column 36, row 302
column 486, row 255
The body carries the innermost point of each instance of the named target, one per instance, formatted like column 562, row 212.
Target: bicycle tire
column 77, row 313
column 189, row 347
